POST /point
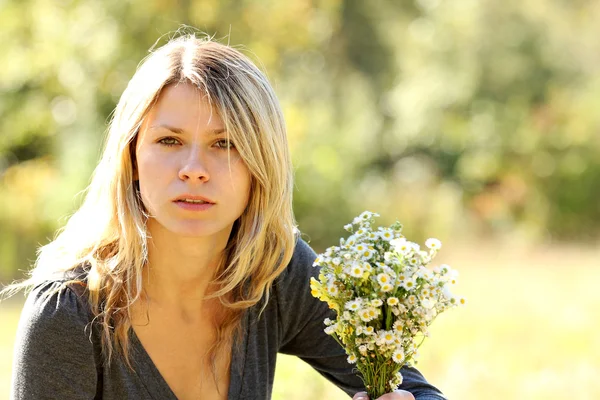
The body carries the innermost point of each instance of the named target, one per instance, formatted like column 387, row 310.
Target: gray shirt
column 57, row 355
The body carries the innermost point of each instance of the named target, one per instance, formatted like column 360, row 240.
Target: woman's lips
column 193, row 206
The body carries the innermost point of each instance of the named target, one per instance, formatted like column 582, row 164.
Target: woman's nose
column 194, row 167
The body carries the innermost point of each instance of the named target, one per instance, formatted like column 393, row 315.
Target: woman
column 181, row 276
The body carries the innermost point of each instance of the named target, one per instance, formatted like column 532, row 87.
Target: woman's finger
column 361, row 396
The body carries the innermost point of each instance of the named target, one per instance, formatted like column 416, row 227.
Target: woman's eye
column 169, row 141
column 224, row 144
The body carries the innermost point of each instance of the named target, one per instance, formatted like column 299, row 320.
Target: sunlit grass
column 529, row 331
column 9, row 317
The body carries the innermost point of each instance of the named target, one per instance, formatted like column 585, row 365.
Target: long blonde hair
column 108, row 233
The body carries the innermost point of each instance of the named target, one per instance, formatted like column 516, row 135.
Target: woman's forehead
column 184, row 107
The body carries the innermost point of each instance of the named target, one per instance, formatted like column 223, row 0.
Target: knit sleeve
column 302, row 331
column 54, row 357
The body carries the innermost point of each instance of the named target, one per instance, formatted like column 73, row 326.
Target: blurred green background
column 474, row 121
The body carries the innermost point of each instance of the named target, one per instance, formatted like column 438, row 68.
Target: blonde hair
column 108, row 233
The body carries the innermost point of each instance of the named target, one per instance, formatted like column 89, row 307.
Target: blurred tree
column 458, row 118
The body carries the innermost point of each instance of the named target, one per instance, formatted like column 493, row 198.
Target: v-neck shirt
column 58, row 351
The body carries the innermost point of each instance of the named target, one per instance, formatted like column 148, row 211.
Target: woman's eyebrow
column 173, row 129
column 180, row 131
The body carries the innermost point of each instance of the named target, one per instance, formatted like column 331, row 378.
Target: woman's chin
column 199, row 230
column 189, row 228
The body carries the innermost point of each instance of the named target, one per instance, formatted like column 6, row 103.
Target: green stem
column 388, row 317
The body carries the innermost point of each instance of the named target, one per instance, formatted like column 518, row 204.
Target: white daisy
column 401, row 245
column 386, row 234
column 433, row 244
column 365, row 215
column 387, row 336
column 383, row 278
column 452, row 277
column 356, row 270
column 367, row 314
column 409, row 284
column 386, row 287
column 332, row 290
column 398, row 326
column 373, row 312
column 398, row 356
column 353, row 305
column 367, row 254
column 412, row 299
column 402, row 277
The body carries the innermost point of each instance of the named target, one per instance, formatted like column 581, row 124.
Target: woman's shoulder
column 293, row 285
column 301, row 263
column 57, row 304
column 56, row 350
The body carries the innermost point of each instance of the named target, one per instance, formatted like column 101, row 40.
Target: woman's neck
column 180, row 269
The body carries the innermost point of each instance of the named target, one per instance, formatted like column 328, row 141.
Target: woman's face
column 189, row 183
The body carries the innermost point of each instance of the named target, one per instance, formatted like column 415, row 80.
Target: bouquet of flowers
column 385, row 298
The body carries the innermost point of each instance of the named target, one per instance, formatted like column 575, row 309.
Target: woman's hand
column 397, row 395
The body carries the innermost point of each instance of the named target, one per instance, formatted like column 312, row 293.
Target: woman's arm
column 54, row 357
